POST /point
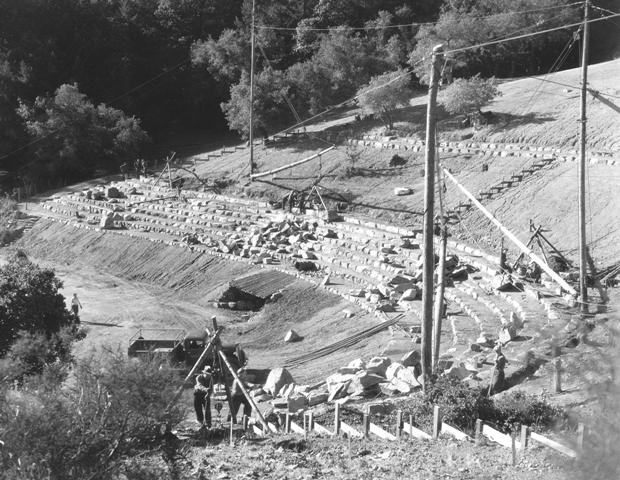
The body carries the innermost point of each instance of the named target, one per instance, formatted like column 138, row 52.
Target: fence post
column 336, row 418
column 580, row 435
column 310, row 421
column 399, row 424
column 478, row 432
column 513, row 447
column 410, row 427
column 366, row 422
column 557, row 369
column 436, row 422
column 232, row 441
column 244, row 422
column 305, row 425
column 524, row 432
column 287, row 423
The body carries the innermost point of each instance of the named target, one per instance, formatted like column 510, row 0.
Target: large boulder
column 378, row 365
column 292, row 336
column 107, row 220
column 113, row 192
column 316, row 398
column 277, row 378
column 296, row 402
column 410, row 294
column 392, row 370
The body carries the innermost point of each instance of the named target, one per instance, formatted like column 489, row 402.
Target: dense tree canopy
column 172, row 63
column 384, row 94
column 467, row 96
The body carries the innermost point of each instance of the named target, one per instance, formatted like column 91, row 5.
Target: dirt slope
column 128, row 283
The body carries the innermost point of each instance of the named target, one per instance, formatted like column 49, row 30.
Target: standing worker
column 499, row 377
column 202, row 396
column 75, row 304
column 238, row 398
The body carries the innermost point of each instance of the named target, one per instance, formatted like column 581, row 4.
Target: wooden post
column 580, row 435
column 436, row 422
column 287, row 423
column 513, row 447
column 305, row 426
column 252, row 44
column 366, row 423
column 557, row 369
column 524, row 432
column 336, row 418
column 478, row 432
column 410, row 426
column 439, row 300
column 583, row 287
column 310, row 421
column 399, row 423
column 429, row 204
column 232, row 441
column 244, row 422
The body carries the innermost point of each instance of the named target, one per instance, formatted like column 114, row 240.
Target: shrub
column 82, row 428
column 518, row 408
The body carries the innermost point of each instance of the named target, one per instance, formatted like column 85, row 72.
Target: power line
column 413, row 24
column 532, row 34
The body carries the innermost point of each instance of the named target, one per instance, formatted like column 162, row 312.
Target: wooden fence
column 403, row 430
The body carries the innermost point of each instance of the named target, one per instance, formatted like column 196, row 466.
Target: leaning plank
column 379, row 432
column 320, row 429
column 455, row 432
column 296, row 428
column 258, row 430
column 415, row 432
column 272, row 427
column 349, row 430
column 291, row 165
column 498, row 437
column 552, row 444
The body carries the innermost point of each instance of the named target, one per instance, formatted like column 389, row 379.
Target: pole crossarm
column 294, row 164
column 513, row 237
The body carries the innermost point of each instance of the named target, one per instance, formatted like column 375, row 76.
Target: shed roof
column 263, row 284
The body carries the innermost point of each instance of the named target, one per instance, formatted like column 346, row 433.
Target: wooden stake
column 410, row 426
column 336, row 419
column 513, row 446
column 399, row 424
column 305, row 426
column 429, row 204
column 287, row 423
column 310, row 421
column 524, row 432
column 478, row 432
column 366, row 423
column 232, row 441
column 557, row 369
column 580, row 435
column 436, row 422
column 244, row 422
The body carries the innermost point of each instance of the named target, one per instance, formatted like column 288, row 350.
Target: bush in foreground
column 110, row 407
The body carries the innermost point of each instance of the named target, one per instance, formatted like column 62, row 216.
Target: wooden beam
column 513, row 237
column 349, row 430
column 498, row 437
column 454, row 432
column 379, row 432
column 296, row 428
column 553, row 444
column 291, row 165
column 320, row 429
column 415, row 432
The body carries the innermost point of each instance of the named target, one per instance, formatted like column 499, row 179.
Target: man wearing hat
column 238, row 398
column 202, row 396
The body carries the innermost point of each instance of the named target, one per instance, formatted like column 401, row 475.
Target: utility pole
column 252, row 42
column 439, row 299
column 583, row 287
column 429, row 204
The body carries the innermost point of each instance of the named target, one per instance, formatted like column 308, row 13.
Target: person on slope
column 202, row 396
column 75, row 304
column 238, row 398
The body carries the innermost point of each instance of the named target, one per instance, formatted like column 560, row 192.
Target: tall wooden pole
column 252, row 42
column 583, row 288
column 429, row 204
column 439, row 298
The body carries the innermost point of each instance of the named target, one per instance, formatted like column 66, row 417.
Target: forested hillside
column 85, row 84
